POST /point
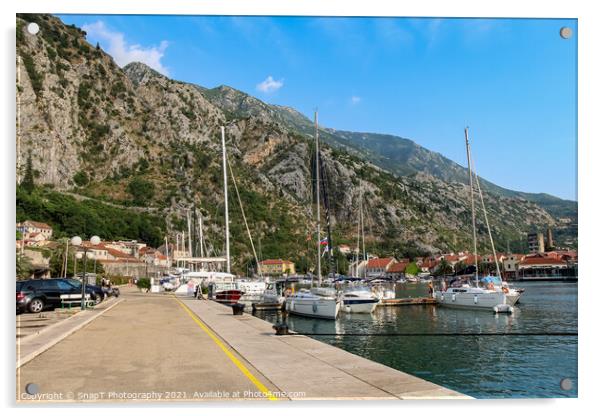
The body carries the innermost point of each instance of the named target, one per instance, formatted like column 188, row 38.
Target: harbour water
column 538, row 348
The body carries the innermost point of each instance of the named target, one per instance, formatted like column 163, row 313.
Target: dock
column 258, row 306
column 407, row 301
column 158, row 347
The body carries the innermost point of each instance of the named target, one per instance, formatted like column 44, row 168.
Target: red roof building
column 396, row 268
column 379, row 266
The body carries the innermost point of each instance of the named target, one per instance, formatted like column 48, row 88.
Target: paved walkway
column 145, row 348
column 299, row 364
column 158, row 347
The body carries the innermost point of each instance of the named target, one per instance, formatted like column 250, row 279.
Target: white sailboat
column 317, row 302
column 474, row 296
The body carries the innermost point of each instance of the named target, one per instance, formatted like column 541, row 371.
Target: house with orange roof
column 397, row 270
column 542, row 266
column 378, row 266
column 34, row 230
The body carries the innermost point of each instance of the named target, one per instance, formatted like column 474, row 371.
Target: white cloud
column 124, row 53
column 270, row 85
column 355, row 100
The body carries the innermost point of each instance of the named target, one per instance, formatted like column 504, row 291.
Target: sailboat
column 226, row 289
column 318, row 302
column 359, row 299
column 485, row 296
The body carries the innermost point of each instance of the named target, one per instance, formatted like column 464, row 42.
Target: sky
column 512, row 81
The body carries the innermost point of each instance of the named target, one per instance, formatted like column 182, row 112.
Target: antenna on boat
column 226, row 199
column 474, row 218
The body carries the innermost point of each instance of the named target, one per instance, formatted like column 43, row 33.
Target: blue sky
column 513, row 81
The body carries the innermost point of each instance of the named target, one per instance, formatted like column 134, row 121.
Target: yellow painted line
column 226, row 351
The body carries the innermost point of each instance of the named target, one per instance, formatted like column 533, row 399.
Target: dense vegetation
column 70, row 217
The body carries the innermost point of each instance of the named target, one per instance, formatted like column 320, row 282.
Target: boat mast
column 362, row 221
column 167, row 252
column 318, row 196
column 189, row 233
column 497, row 266
column 201, row 238
column 474, row 218
column 357, row 250
column 226, row 199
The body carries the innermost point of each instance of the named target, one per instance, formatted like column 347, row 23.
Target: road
column 148, row 347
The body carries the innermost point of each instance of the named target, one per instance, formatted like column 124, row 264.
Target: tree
column 142, row 191
column 443, row 268
column 27, row 183
column 24, row 267
column 412, row 269
column 80, row 178
column 341, row 262
column 302, row 265
column 459, row 266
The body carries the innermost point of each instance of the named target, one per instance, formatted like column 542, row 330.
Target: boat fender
column 454, row 297
column 503, row 308
column 476, row 299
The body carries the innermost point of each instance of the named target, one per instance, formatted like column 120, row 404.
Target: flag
column 325, row 250
column 324, row 241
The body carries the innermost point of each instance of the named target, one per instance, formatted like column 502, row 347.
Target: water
column 480, row 366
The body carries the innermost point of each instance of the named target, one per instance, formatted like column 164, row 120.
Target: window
column 62, row 285
column 50, row 285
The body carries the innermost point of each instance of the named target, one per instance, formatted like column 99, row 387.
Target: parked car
column 97, row 292
column 36, row 295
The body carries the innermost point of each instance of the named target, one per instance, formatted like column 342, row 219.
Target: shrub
column 80, row 178
column 34, row 76
column 412, row 269
column 142, row 191
column 143, row 283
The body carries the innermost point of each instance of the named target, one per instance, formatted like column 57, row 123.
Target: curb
column 60, row 323
column 62, row 336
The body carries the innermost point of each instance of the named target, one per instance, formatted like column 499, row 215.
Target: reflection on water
column 481, row 366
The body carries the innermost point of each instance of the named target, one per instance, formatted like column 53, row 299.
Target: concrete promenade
column 162, row 348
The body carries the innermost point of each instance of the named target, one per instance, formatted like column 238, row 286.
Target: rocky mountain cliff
column 131, row 136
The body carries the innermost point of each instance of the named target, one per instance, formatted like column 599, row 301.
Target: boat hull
column 315, row 308
column 360, row 306
column 228, row 296
column 512, row 298
column 485, row 300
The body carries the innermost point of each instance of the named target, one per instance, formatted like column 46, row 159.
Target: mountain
column 133, row 138
column 395, row 154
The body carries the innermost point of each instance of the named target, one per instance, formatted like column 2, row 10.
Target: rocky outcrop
column 79, row 113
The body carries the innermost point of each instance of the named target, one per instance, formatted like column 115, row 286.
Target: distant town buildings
column 277, row 267
column 379, row 266
column 536, row 243
column 33, row 233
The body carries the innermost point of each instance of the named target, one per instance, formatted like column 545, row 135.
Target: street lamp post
column 77, row 242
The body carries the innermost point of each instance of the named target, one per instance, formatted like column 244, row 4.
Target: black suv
column 36, row 295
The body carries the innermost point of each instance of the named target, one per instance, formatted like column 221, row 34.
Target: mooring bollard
column 281, row 328
column 237, row 308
